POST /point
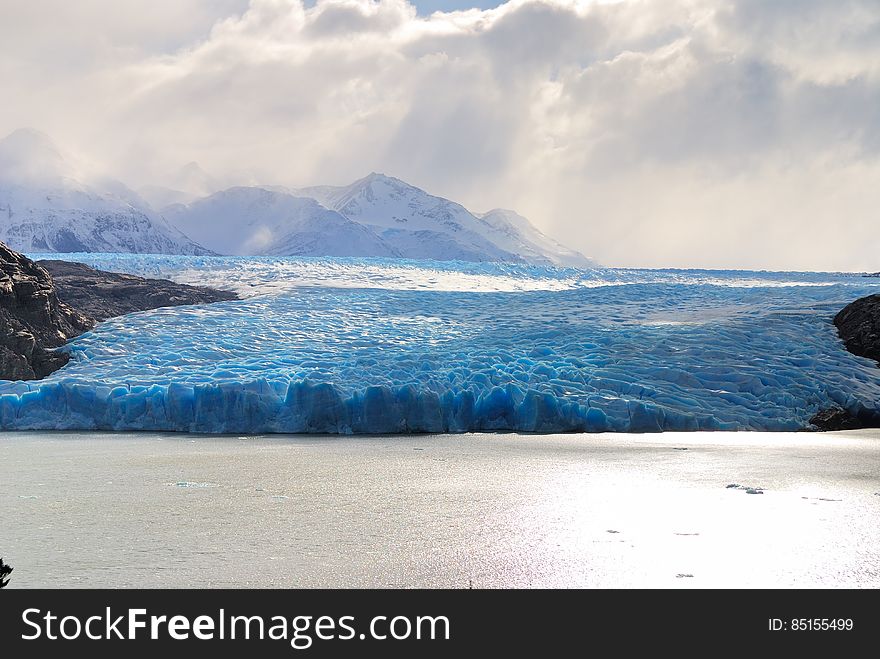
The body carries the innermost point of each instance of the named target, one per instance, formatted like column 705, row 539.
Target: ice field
column 375, row 346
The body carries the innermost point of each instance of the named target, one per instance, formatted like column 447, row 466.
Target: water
column 343, row 345
column 124, row 510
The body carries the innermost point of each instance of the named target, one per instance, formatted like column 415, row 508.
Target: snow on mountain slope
column 438, row 246
column 257, row 221
column 411, row 220
column 417, row 223
column 79, row 220
column 513, row 232
column 48, row 205
column 44, row 208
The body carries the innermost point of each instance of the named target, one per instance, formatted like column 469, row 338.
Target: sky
column 659, row 133
column 430, row 6
column 426, row 7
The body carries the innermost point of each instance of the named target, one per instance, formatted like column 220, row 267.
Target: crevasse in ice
column 373, row 346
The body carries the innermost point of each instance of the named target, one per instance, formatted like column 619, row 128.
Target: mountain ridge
column 45, row 207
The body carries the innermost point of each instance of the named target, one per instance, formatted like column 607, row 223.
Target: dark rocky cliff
column 43, row 305
column 102, row 295
column 858, row 324
column 33, row 320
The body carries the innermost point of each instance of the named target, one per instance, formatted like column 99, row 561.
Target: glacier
column 374, row 346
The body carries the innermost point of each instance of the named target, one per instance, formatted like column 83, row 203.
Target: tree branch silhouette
column 5, row 571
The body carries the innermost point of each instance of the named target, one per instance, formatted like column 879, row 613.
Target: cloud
column 644, row 132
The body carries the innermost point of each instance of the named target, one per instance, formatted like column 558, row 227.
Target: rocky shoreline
column 858, row 325
column 101, row 295
column 43, row 305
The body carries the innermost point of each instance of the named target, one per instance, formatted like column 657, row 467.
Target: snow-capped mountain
column 421, row 225
column 375, row 216
column 418, row 225
column 513, row 232
column 258, row 221
column 78, row 219
column 44, row 208
column 47, row 205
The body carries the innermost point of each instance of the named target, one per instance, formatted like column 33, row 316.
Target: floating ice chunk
column 192, row 484
column 745, row 488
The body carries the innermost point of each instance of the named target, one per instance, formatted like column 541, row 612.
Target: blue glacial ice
column 373, row 346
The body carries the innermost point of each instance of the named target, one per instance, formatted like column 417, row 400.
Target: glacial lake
column 457, row 511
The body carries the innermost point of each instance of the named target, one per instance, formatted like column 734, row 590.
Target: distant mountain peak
column 378, row 177
column 421, row 225
column 192, row 178
column 261, row 221
column 29, row 154
column 31, row 139
column 192, row 168
column 44, row 206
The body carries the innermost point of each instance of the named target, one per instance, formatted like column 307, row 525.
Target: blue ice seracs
column 379, row 347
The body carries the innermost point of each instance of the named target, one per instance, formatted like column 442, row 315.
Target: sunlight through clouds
column 648, row 132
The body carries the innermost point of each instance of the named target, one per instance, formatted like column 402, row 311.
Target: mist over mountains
column 48, row 204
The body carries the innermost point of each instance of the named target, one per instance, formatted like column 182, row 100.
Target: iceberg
column 376, row 346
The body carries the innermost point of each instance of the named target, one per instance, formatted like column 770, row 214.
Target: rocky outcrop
column 102, row 295
column 39, row 314
column 33, row 320
column 858, row 324
column 835, row 418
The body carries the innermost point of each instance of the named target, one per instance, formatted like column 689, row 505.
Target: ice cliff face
column 386, row 346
